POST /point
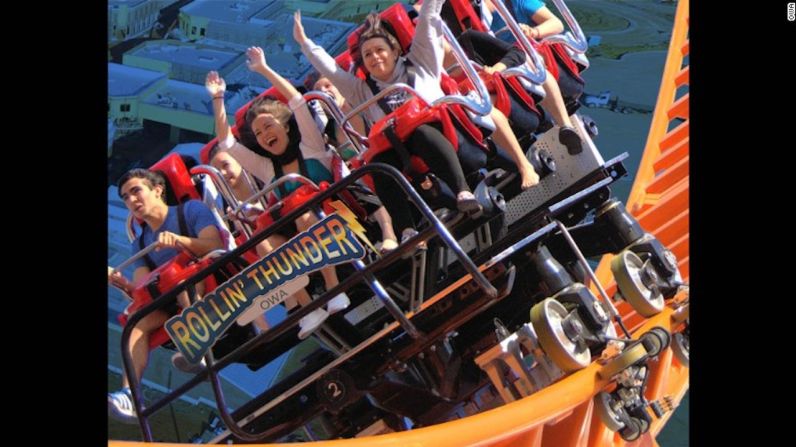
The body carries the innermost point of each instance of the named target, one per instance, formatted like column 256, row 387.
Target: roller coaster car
column 161, row 280
column 427, row 379
column 181, row 188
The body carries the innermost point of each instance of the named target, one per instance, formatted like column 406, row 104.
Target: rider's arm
column 427, row 50
column 209, row 239
column 200, row 219
column 547, row 23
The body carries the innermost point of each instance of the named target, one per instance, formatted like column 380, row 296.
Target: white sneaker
column 467, row 203
column 180, row 362
column 337, row 303
column 406, row 235
column 311, row 321
column 120, row 406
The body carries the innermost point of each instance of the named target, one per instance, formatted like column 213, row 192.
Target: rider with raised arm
column 277, row 140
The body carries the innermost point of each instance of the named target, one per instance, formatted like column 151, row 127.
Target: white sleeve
column 347, row 83
column 427, row 50
column 312, row 142
column 257, row 165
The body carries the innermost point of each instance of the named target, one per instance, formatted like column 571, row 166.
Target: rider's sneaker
column 337, row 303
column 180, row 362
column 407, row 234
column 311, row 322
column 120, row 406
column 467, row 203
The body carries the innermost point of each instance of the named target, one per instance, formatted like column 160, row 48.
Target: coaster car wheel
column 627, row 358
column 547, row 319
column 608, row 409
column 656, row 340
column 628, row 270
column 632, row 431
column 680, row 348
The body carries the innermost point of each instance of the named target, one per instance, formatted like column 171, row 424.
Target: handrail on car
column 574, row 39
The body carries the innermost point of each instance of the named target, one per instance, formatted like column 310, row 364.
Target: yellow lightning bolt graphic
column 348, row 216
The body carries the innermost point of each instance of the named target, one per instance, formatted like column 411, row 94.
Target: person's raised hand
column 298, row 28
column 215, row 84
column 255, row 59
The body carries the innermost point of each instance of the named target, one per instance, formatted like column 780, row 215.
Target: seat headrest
column 204, row 153
column 461, row 15
column 240, row 114
column 179, row 185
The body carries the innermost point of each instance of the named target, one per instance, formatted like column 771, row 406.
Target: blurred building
column 132, row 18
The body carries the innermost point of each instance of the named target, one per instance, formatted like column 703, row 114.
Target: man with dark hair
column 143, row 193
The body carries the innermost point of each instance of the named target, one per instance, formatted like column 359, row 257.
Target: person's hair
column 375, row 27
column 152, row 178
column 311, row 79
column 270, row 105
column 213, row 151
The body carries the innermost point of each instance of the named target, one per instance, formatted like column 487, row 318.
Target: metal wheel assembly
column 556, row 333
column 680, row 348
column 633, row 279
column 656, row 340
column 632, row 431
column 608, row 409
column 643, row 424
column 627, row 358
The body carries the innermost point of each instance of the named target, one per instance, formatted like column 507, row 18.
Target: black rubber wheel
column 632, row 431
column 680, row 348
column 609, row 417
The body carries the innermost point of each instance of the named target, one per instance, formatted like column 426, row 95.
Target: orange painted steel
column 659, row 200
column 562, row 414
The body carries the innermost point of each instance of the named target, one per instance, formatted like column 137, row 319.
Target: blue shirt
column 197, row 217
column 522, row 12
